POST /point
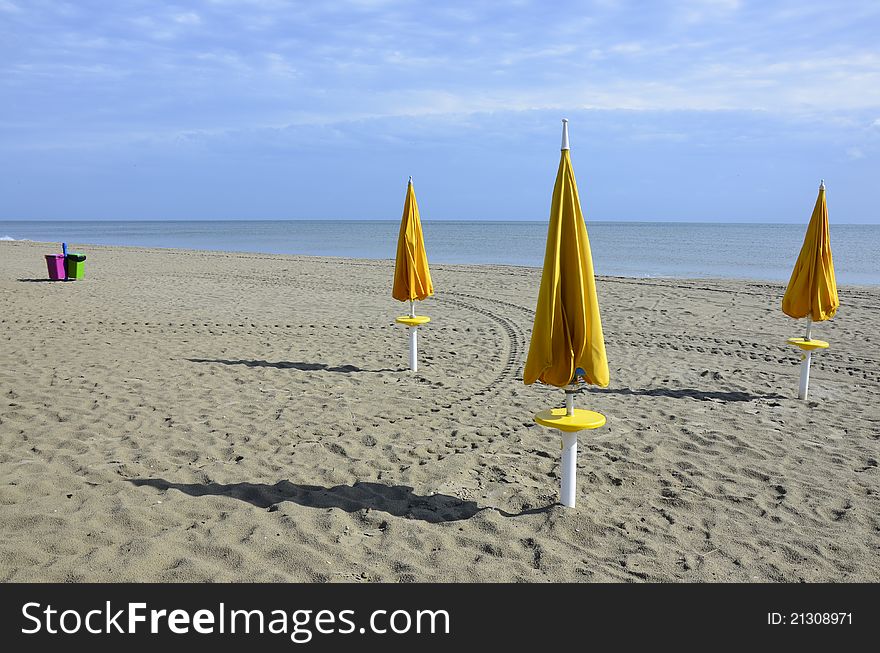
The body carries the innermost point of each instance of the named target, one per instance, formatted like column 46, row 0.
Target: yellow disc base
column 808, row 345
column 555, row 418
column 418, row 320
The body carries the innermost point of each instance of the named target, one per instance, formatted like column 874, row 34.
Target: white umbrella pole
column 413, row 349
column 413, row 341
column 569, row 458
column 804, row 388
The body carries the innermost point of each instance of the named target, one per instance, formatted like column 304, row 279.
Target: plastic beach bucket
column 55, row 263
column 75, row 265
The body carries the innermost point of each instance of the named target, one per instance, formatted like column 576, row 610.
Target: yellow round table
column 808, row 345
column 582, row 420
column 413, row 320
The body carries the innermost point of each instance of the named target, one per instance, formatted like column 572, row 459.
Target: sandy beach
column 196, row 416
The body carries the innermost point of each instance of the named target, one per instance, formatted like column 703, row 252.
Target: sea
column 629, row 249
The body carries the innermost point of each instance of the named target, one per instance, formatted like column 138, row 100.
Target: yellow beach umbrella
column 412, row 277
column 567, row 344
column 812, row 289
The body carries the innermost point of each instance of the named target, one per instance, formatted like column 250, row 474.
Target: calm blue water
column 635, row 249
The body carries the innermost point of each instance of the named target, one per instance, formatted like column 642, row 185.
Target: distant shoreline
column 183, row 251
column 629, row 249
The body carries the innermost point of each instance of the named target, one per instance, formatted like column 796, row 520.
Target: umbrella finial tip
column 822, row 184
column 410, row 179
column 565, row 145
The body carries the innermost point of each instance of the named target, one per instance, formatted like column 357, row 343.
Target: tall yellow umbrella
column 567, row 345
column 812, row 289
column 412, row 278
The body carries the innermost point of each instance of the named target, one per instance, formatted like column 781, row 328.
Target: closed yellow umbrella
column 812, row 289
column 412, row 277
column 567, row 344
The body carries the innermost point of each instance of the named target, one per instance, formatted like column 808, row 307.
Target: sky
column 693, row 110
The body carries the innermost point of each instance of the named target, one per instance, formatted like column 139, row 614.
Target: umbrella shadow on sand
column 687, row 393
column 288, row 365
column 397, row 500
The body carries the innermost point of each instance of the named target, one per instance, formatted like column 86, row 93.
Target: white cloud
column 700, row 11
column 279, row 65
column 222, row 60
column 627, row 48
column 375, row 61
column 855, row 153
column 520, row 55
column 188, row 18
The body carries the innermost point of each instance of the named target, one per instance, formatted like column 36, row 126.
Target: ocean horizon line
column 425, row 219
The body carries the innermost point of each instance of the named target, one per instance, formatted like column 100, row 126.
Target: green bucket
column 75, row 265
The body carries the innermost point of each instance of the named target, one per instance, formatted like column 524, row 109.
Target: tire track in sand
column 515, row 342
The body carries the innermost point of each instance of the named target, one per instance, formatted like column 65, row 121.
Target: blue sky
column 705, row 110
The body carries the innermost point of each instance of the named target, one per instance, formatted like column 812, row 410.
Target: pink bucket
column 55, row 263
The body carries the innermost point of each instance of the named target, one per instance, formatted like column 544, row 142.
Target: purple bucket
column 55, row 263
